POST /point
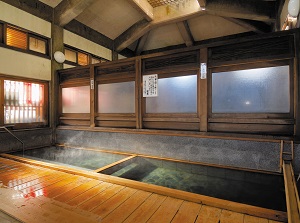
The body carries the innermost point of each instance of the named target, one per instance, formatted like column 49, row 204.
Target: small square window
column 70, row 55
column 16, row 38
column 83, row 59
column 37, row 45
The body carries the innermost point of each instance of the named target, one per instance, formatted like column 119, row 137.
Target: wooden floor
column 36, row 194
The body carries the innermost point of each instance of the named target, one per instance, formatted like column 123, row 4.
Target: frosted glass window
column 76, row 99
column 262, row 90
column 175, row 95
column 116, row 97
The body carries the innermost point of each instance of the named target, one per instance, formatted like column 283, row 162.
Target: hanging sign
column 150, row 85
column 92, row 84
column 203, row 70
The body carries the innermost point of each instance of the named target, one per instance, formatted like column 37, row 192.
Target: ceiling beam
column 162, row 17
column 88, row 33
column 185, row 32
column 143, row 7
column 252, row 10
column 67, row 10
column 202, row 3
column 255, row 26
column 132, row 34
column 141, row 44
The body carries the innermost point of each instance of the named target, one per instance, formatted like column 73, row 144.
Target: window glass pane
column 116, row 97
column 76, row 99
column 175, row 95
column 23, row 102
column 16, row 38
column 82, row 59
column 95, row 60
column 70, row 55
column 262, row 90
column 37, row 45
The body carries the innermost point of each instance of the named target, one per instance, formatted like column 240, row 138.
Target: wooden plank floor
column 36, row 194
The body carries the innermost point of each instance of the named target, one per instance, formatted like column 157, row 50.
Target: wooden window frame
column 120, row 120
column 252, row 122
column 3, row 41
column 90, row 56
column 178, row 121
column 45, row 108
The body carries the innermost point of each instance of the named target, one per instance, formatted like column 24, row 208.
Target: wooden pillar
column 138, row 93
column 57, row 45
column 93, row 96
column 297, row 87
column 114, row 55
column 202, row 110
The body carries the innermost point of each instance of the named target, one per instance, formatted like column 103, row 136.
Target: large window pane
column 262, row 90
column 76, row 99
column 23, row 102
column 116, row 97
column 175, row 95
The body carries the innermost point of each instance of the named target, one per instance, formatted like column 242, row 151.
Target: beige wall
column 22, row 64
column 25, row 20
column 78, row 42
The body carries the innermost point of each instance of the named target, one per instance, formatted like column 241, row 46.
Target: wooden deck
column 32, row 194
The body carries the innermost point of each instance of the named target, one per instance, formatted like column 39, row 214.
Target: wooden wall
column 281, row 48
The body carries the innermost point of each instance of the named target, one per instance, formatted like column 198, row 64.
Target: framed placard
column 150, row 85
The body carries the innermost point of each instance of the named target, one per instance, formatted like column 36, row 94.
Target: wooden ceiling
column 138, row 27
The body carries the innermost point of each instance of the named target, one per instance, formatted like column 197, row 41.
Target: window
column 83, row 59
column 71, row 55
column 20, row 39
column 261, row 90
column 116, row 97
column 175, row 95
column 78, row 57
column 16, row 38
column 76, row 99
column 24, row 102
column 37, row 45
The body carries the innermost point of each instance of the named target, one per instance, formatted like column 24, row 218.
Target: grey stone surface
column 237, row 153
column 31, row 138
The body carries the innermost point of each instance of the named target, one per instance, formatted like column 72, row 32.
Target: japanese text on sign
column 150, row 85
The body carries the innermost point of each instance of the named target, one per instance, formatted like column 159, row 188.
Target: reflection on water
column 86, row 159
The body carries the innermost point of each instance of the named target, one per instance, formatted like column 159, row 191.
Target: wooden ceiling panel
column 111, row 18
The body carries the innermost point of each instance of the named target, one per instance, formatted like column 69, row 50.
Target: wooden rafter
column 255, row 26
column 141, row 43
column 186, row 33
column 68, row 10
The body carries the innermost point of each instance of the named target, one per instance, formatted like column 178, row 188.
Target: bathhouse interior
column 149, row 111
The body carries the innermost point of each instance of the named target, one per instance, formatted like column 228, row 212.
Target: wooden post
column 92, row 96
column 202, row 94
column 57, row 45
column 297, row 87
column 138, row 93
